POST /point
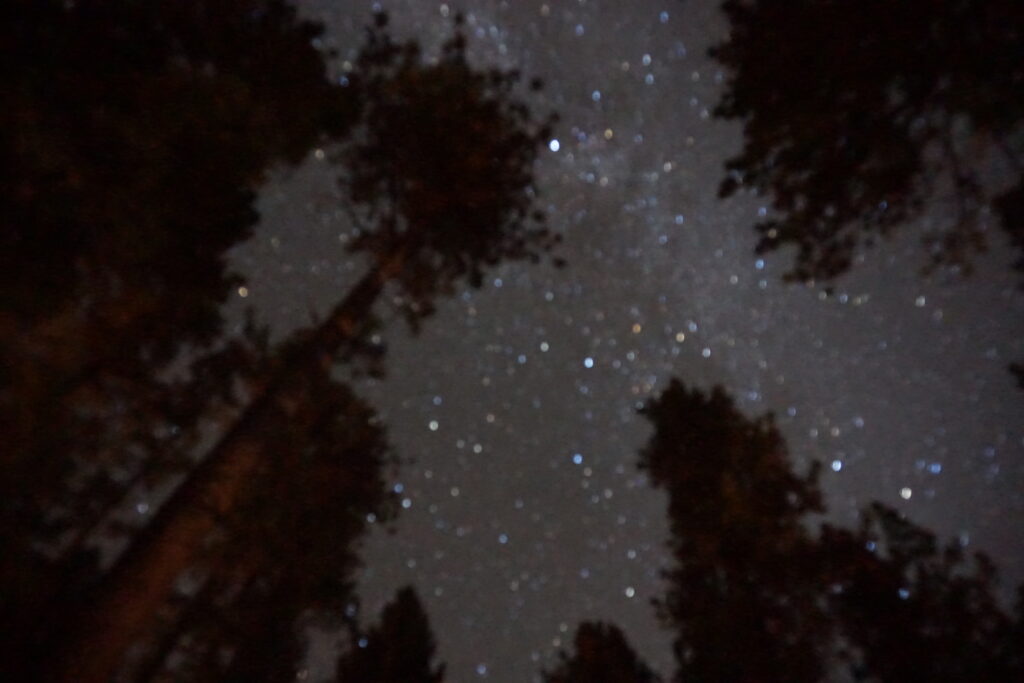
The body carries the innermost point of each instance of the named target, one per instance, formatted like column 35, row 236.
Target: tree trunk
column 128, row 599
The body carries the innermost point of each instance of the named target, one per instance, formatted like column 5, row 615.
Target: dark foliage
column 755, row 596
column 284, row 559
column 441, row 170
column 133, row 136
column 400, row 649
column 601, row 655
column 62, row 513
column 137, row 136
column 1018, row 371
column 857, row 113
column 911, row 610
column 740, row 597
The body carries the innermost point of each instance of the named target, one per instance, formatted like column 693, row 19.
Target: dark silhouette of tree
column 911, row 610
column 1018, row 371
column 473, row 149
column 754, row 595
column 443, row 177
column 284, row 557
column 741, row 598
column 398, row 650
column 601, row 655
column 133, row 136
column 857, row 113
column 54, row 541
column 138, row 132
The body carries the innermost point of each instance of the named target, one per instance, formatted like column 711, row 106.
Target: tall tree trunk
column 155, row 659
column 126, row 603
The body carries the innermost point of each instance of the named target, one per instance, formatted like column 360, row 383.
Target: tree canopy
column 601, row 654
column 442, row 170
column 285, row 557
column 857, row 115
column 161, row 123
column 400, row 649
column 134, row 136
column 740, row 600
column 757, row 593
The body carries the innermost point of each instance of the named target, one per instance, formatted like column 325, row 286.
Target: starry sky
column 514, row 409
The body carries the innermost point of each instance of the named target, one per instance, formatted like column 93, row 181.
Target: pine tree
column 398, row 650
column 283, row 559
column 756, row 595
column 602, row 655
column 856, row 114
column 442, row 172
column 133, row 136
column 743, row 592
column 912, row 610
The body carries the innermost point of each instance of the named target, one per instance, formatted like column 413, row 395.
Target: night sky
column 514, row 410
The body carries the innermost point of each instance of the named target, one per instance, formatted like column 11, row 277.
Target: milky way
column 514, row 410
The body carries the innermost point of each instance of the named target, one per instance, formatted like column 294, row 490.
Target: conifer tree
column 440, row 173
column 601, row 655
column 134, row 136
column 283, row 559
column 400, row 649
column 757, row 594
column 858, row 114
column 743, row 596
